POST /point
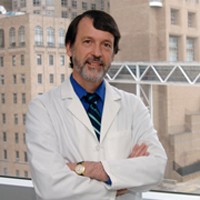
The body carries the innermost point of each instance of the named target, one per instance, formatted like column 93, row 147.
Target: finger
column 139, row 150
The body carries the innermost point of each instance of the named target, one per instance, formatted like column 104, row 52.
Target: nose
column 97, row 51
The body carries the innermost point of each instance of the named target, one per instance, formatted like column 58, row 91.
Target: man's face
column 92, row 52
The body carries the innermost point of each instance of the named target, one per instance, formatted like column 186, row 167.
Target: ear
column 68, row 49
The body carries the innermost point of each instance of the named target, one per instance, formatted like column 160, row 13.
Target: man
column 101, row 150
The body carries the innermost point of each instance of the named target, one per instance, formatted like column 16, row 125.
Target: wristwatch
column 80, row 168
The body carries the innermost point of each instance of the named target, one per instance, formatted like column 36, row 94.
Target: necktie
column 93, row 112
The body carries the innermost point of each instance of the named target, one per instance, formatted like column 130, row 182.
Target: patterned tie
column 93, row 112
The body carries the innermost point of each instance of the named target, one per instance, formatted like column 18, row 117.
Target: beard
column 92, row 69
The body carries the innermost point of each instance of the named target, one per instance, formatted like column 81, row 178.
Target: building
column 159, row 31
column 32, row 60
column 63, row 9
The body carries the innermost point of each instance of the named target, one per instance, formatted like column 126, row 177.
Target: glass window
column 51, row 78
column 64, row 3
column 174, row 16
column 51, row 60
column 61, row 40
column 173, row 48
column 1, row 61
column 36, row 2
column 14, row 79
column 64, row 14
column 84, row 5
column 4, row 136
column 49, row 2
column 5, row 154
column 2, row 80
column 50, row 37
column 22, row 59
column 39, row 78
column 17, row 155
column 23, row 78
column 12, row 37
column 74, row 4
column 3, row 99
column 191, row 19
column 14, row 98
column 39, row 59
column 62, row 60
column 38, row 36
column 190, row 50
column 21, row 36
column 22, row 3
column 24, row 118
column 23, row 98
column 2, row 38
column 13, row 60
column 93, row 6
column 25, row 157
column 16, row 138
column 62, row 78
column 4, row 118
column 16, row 119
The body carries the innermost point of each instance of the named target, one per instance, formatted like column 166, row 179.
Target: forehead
column 86, row 29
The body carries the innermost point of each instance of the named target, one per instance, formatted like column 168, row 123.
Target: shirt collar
column 80, row 91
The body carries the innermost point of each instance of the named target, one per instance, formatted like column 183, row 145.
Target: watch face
column 79, row 169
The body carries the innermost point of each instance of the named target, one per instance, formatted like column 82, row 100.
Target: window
column 62, row 60
column 5, row 154
column 174, row 16
column 25, row 157
column 64, row 3
column 17, row 173
column 3, row 99
column 3, row 118
column 190, row 50
column 62, row 78
column 26, row 174
column 12, row 37
column 51, row 78
column 173, row 48
column 23, row 98
column 13, row 60
column 16, row 119
column 39, row 59
column 23, row 78
column 74, row 4
column 1, row 61
column 39, row 77
column 64, row 14
column 22, row 3
column 36, row 2
column 51, row 60
column 16, row 138
column 93, row 6
column 2, row 80
column 22, row 59
column 49, row 2
column 74, row 14
column 17, row 155
column 84, row 5
column 15, row 98
column 61, row 40
column 21, row 36
column 38, row 36
column 14, row 79
column 24, row 118
column 1, row 38
column 50, row 37
column 191, row 19
column 4, row 136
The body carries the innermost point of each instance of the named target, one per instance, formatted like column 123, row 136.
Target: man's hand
column 139, row 150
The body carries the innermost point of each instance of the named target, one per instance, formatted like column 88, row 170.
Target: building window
column 49, row 2
column 62, row 78
column 26, row 174
column 14, row 61
column 1, row 38
column 190, row 49
column 64, row 14
column 84, row 5
column 61, row 39
column 14, row 79
column 38, row 36
column 39, row 77
column 62, row 60
column 16, row 119
column 17, row 155
column 5, row 154
column 191, row 19
column 51, row 60
column 15, row 98
column 25, row 157
column 2, row 80
column 50, row 37
column 4, row 136
column 24, row 119
column 1, row 61
column 4, row 118
column 36, row 2
column 12, row 37
column 21, row 36
column 37, row 12
column 22, row 59
column 39, row 59
column 24, row 138
column 3, row 99
column 51, row 78
column 22, row 3
column 174, row 16
column 16, row 138
column 74, row 14
column 23, row 78
column 93, row 6
column 17, row 173
column 23, row 98
column 64, row 3
column 74, row 4
column 173, row 48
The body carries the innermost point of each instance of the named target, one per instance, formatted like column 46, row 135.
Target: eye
column 108, row 45
column 87, row 42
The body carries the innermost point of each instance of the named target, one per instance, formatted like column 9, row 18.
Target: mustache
column 95, row 59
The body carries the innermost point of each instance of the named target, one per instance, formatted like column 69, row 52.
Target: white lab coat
column 59, row 131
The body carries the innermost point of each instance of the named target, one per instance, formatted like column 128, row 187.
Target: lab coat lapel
column 110, row 111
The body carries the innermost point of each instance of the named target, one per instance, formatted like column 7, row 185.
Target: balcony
column 155, row 3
